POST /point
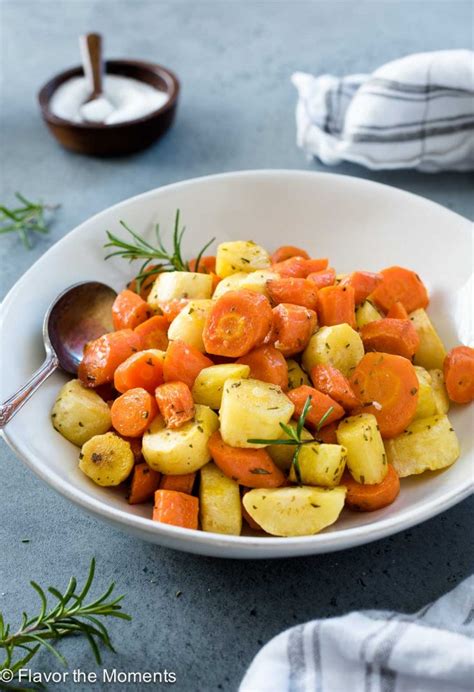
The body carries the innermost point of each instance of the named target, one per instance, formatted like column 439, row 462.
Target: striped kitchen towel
column 374, row 651
column 416, row 112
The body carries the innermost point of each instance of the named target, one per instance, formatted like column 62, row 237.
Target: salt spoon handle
column 91, row 51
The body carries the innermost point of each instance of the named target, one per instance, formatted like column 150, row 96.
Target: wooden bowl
column 98, row 139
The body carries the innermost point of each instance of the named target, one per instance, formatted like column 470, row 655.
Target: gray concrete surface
column 236, row 112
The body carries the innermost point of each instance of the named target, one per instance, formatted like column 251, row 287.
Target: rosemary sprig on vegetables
column 28, row 218
column 70, row 615
column 294, row 435
column 139, row 248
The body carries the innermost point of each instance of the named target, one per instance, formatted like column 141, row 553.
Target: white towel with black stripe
column 416, row 112
column 374, row 651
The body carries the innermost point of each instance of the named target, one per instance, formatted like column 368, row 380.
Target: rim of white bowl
column 203, row 542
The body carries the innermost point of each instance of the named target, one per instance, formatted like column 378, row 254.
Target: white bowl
column 358, row 224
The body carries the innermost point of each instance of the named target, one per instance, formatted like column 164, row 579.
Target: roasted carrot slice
column 238, row 322
column 287, row 252
column 133, row 412
column 459, row 374
column 172, row 308
column 336, row 305
column 177, row 509
column 328, row 434
column 153, row 332
column 299, row 267
column 207, row 264
column 403, row 286
column 363, row 283
column 129, row 310
column 103, row 356
column 183, row 363
column 323, row 278
column 291, row 268
column 368, row 498
column 251, row 467
column 135, row 445
column 389, row 335
column 267, row 364
column 315, row 264
column 175, row 402
column 329, row 380
column 320, row 405
column 146, row 283
column 293, row 326
column 181, row 484
column 295, row 291
column 144, row 483
column 389, row 387
column 398, row 312
column 143, row 369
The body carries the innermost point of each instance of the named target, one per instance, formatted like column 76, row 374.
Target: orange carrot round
column 153, row 332
column 315, row 264
column 299, row 267
column 181, row 484
column 336, row 305
column 183, row 363
column 329, row 380
column 175, row 402
column 459, row 374
column 389, row 387
column 238, row 322
column 390, row 335
column 287, row 252
column 103, row 356
column 368, row 498
column 328, row 434
column 398, row 312
column 177, row 509
column 207, row 265
column 251, row 467
column 323, row 278
column 363, row 283
column 293, row 326
column 133, row 412
column 294, row 291
column 129, row 310
column 146, row 283
column 143, row 369
column 320, row 405
column 172, row 308
column 400, row 285
column 267, row 364
column 143, row 485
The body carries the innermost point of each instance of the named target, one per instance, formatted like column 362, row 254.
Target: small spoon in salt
column 96, row 108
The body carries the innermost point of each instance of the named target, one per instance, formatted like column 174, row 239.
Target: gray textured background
column 236, row 112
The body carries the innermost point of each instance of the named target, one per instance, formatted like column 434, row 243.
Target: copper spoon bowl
column 79, row 314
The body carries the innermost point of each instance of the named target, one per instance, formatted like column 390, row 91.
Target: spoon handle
column 91, row 50
column 12, row 405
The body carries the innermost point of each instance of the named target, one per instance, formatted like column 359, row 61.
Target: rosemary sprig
column 26, row 219
column 139, row 248
column 294, row 435
column 70, row 615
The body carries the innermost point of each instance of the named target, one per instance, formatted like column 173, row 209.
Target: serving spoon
column 79, row 314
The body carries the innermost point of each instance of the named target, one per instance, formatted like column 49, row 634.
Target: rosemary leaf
column 139, row 248
column 71, row 615
column 25, row 220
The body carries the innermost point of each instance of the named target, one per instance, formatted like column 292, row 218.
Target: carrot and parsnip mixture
column 263, row 389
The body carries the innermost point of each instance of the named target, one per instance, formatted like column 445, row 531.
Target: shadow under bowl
column 99, row 139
